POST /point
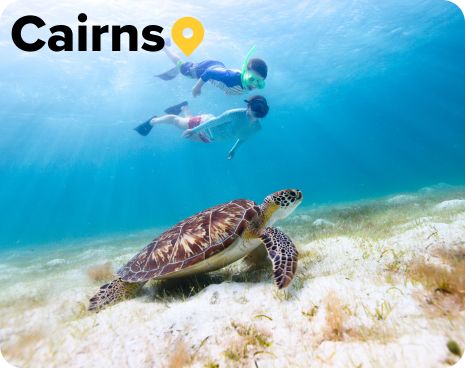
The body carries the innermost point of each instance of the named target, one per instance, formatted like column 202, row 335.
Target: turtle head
column 281, row 204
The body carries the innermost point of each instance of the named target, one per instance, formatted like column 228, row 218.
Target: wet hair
column 258, row 105
column 258, row 66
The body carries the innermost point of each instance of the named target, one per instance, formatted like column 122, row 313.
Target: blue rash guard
column 215, row 72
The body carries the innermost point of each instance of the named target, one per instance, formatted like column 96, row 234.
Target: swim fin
column 176, row 109
column 168, row 75
column 145, row 128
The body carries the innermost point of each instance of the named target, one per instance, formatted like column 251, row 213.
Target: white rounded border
column 4, row 363
column 460, row 4
column 4, row 4
column 460, row 363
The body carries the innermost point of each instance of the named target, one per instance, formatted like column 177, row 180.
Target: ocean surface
column 366, row 100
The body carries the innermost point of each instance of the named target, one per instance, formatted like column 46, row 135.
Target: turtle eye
column 295, row 194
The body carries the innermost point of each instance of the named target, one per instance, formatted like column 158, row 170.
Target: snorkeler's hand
column 230, row 155
column 197, row 90
column 188, row 133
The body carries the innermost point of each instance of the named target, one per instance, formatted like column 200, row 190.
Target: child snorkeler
column 231, row 81
column 238, row 124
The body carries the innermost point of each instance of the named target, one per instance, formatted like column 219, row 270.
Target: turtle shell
column 190, row 241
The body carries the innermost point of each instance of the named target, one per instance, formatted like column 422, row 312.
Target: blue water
column 367, row 99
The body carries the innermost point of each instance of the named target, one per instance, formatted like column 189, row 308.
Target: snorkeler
column 238, row 124
column 231, row 81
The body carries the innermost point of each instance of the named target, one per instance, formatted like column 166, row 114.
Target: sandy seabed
column 379, row 283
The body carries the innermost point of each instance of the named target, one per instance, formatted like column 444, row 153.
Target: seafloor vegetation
column 379, row 283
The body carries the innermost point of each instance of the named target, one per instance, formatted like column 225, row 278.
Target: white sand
column 401, row 199
column 385, row 321
column 451, row 204
column 323, row 222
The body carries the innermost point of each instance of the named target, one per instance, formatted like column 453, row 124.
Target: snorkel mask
column 249, row 78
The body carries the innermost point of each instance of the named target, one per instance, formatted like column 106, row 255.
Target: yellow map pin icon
column 187, row 44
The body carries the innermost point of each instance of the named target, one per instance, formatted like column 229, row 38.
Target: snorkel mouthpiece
column 252, row 80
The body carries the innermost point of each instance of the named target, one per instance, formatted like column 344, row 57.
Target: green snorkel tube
column 249, row 78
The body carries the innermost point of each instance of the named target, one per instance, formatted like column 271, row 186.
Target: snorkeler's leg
column 172, row 73
column 177, row 121
column 145, row 128
column 177, row 109
column 173, row 56
column 169, row 74
column 186, row 112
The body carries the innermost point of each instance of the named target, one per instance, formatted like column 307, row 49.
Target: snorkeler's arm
column 197, row 90
column 232, row 151
column 225, row 117
column 228, row 77
column 220, row 74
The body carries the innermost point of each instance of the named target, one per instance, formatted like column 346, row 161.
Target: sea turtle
column 209, row 241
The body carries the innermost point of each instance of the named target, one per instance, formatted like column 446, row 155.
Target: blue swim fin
column 168, row 75
column 176, row 109
column 144, row 128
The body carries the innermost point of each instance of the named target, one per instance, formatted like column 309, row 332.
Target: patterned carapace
column 192, row 240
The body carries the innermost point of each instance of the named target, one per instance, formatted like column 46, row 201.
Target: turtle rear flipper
column 113, row 292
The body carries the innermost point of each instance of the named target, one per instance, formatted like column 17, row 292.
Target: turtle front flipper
column 283, row 255
column 112, row 293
